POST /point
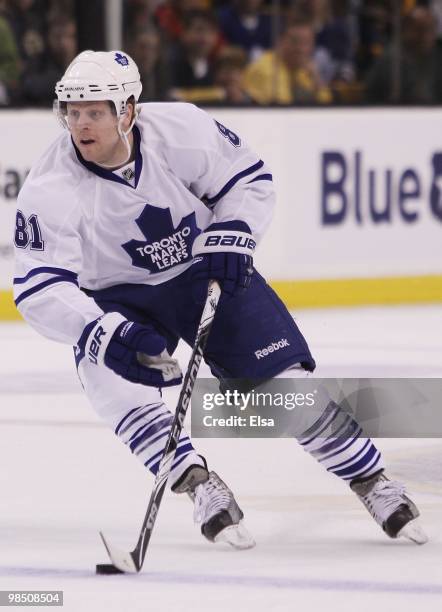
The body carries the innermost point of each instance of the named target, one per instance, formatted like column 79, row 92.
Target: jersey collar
column 108, row 174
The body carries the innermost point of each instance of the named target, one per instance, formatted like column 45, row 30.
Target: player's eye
column 73, row 114
column 95, row 115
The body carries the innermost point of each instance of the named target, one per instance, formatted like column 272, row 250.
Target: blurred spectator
column 228, row 82
column 9, row 63
column 419, row 67
column 229, row 76
column 137, row 14
column 374, row 33
column 26, row 18
column 436, row 9
column 59, row 9
column 245, row 25
column 315, row 12
column 170, row 15
column 38, row 82
column 146, row 49
column 193, row 62
column 331, row 50
column 288, row 74
column 336, row 39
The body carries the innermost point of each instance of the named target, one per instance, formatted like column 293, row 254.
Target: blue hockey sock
column 144, row 430
column 337, row 442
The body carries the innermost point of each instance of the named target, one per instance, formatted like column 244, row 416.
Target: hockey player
column 120, row 225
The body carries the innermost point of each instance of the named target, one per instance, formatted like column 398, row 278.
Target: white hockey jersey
column 79, row 225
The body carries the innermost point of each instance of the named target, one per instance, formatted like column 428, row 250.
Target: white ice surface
column 64, row 477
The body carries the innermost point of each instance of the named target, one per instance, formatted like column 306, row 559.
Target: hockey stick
column 133, row 561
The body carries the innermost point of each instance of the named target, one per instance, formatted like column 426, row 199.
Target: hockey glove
column 135, row 352
column 223, row 252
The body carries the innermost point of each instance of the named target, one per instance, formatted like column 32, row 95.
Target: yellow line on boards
column 8, row 311
column 323, row 293
column 359, row 291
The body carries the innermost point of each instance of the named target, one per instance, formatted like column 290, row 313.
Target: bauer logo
column 95, row 345
column 271, row 348
column 354, row 189
column 230, row 241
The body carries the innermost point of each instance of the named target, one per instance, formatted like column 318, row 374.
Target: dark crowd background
column 237, row 52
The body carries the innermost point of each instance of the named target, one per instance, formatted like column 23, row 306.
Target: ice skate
column 215, row 507
column 389, row 506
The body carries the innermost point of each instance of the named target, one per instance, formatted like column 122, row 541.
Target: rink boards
column 359, row 210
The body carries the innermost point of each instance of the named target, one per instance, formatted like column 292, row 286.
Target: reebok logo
column 275, row 346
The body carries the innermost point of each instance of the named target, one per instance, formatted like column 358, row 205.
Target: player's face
column 93, row 126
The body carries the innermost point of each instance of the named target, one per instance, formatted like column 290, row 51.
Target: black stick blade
column 107, row 568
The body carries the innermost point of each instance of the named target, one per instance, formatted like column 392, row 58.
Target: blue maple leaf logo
column 165, row 246
column 121, row 59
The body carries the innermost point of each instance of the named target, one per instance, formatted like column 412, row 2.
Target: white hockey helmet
column 100, row 75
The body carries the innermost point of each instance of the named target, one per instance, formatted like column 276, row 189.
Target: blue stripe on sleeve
column 45, row 270
column 51, row 281
column 228, row 186
column 261, row 177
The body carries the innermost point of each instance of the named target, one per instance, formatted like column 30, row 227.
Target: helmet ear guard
column 59, row 109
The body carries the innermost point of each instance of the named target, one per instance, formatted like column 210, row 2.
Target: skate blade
column 414, row 532
column 237, row 536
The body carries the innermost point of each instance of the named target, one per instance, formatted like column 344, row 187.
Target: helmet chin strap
column 124, row 137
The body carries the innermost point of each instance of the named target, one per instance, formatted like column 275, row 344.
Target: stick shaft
column 213, row 295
